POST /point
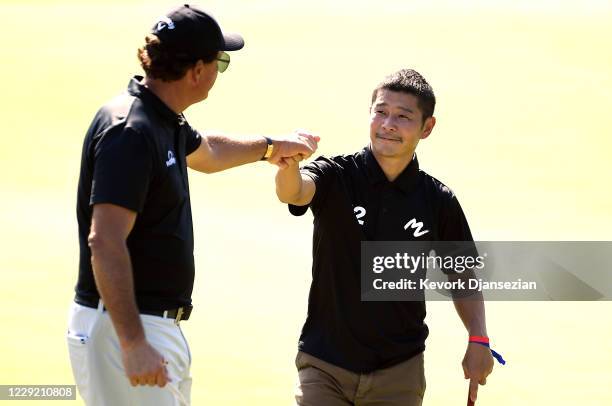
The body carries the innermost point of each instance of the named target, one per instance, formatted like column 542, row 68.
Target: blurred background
column 524, row 90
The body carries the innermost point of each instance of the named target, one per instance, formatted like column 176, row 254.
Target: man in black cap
column 354, row 352
column 136, row 268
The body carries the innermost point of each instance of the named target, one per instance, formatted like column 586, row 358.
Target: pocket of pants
column 422, row 372
column 77, row 349
column 298, row 361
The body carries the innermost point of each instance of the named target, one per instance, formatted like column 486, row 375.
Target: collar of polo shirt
column 136, row 88
column 405, row 181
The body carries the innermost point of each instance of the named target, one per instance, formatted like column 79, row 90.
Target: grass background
column 523, row 138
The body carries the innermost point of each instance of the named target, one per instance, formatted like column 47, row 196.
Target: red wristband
column 479, row 339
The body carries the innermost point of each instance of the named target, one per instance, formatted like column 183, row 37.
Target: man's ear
column 428, row 126
column 196, row 73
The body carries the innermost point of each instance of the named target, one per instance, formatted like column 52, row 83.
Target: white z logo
column 417, row 227
column 359, row 213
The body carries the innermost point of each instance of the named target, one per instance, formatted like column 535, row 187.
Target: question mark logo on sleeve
column 359, row 213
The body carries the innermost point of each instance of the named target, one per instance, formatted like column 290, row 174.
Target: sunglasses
column 223, row 61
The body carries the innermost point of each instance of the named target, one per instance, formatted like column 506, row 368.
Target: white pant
column 98, row 370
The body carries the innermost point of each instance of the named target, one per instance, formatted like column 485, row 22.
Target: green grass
column 522, row 137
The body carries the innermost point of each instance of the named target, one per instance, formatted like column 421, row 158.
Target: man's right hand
column 144, row 365
column 299, row 145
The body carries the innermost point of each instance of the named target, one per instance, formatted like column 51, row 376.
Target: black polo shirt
column 134, row 156
column 355, row 202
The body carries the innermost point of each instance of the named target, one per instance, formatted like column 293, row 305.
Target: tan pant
column 323, row 384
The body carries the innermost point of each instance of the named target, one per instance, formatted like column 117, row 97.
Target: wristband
column 485, row 342
column 269, row 149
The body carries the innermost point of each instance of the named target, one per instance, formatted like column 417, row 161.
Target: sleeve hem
column 117, row 202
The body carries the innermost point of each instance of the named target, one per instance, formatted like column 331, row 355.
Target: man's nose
column 389, row 124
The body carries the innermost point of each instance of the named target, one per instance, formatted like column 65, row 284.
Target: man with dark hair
column 136, row 268
column 354, row 352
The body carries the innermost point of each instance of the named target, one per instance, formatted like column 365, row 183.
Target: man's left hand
column 477, row 365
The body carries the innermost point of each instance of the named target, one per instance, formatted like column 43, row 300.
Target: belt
column 178, row 314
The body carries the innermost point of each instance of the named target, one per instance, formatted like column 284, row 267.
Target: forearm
column 228, row 152
column 472, row 313
column 478, row 362
column 289, row 184
column 113, row 275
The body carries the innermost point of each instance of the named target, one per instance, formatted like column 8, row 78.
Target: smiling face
column 396, row 125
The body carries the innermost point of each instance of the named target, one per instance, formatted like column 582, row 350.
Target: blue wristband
column 495, row 354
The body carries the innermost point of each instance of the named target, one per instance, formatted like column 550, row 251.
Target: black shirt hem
column 362, row 369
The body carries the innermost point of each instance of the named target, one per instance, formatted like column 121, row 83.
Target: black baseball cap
column 190, row 32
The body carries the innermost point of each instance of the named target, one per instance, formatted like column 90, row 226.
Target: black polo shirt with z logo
column 355, row 202
column 134, row 156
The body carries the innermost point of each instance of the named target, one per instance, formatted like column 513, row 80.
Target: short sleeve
column 454, row 225
column 455, row 236
column 193, row 141
column 122, row 169
column 322, row 171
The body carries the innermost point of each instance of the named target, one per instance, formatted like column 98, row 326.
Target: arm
column 471, row 311
column 219, row 152
column 112, row 270
column 477, row 362
column 292, row 187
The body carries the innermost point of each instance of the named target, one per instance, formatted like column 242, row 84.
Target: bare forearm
column 113, row 274
column 228, row 152
column 472, row 313
column 289, row 184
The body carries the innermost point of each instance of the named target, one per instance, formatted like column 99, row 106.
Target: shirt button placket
column 383, row 211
